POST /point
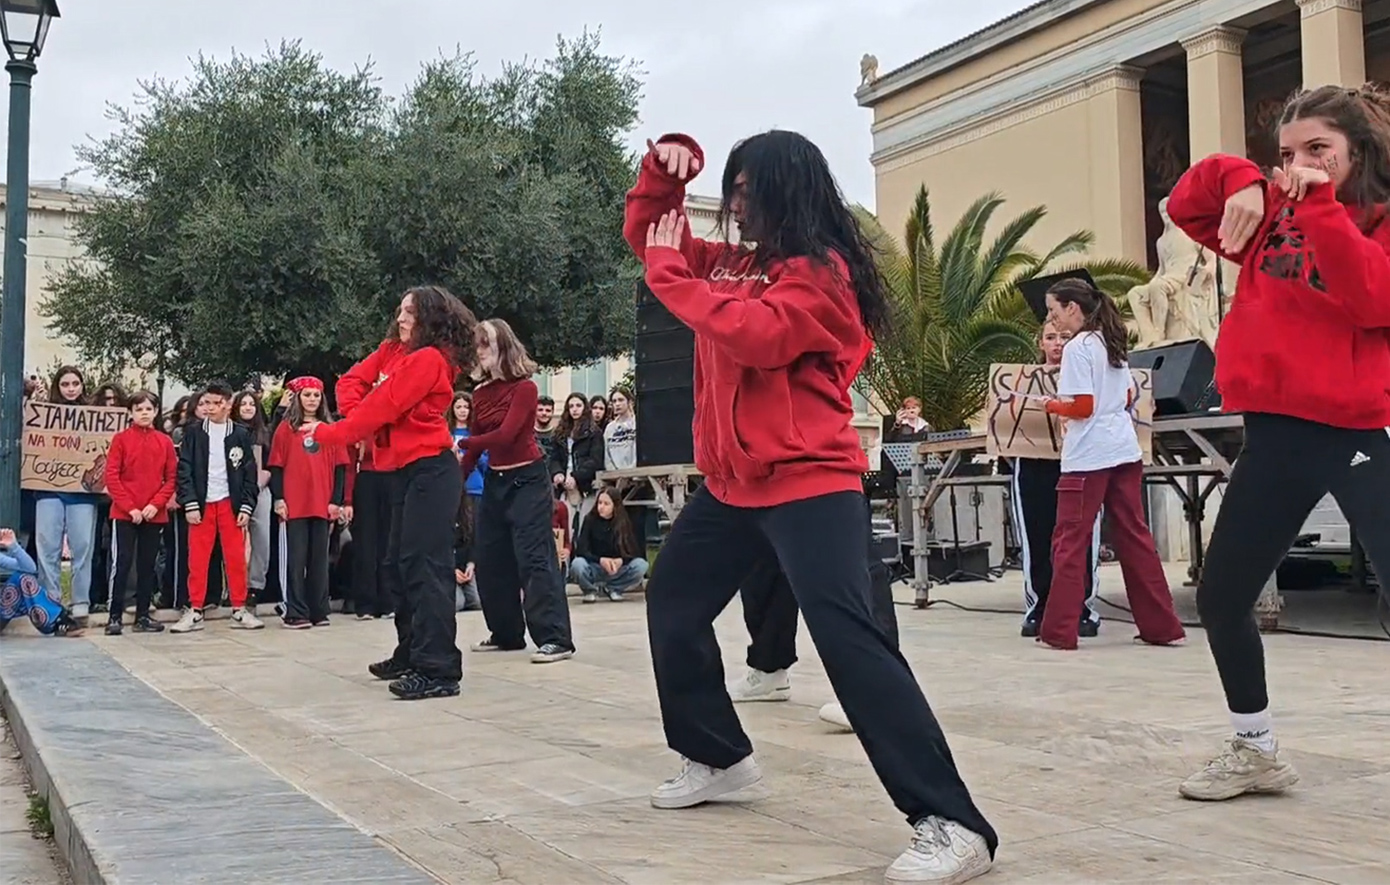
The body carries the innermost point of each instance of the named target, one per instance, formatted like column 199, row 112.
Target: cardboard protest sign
column 64, row 446
column 1018, row 426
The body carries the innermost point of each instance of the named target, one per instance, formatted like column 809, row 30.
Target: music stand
column 1035, row 290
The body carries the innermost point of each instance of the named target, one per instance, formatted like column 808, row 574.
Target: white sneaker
column 1241, row 768
column 81, row 609
column 191, row 621
column 698, row 784
column 759, row 686
column 835, row 715
column 942, row 852
column 244, row 619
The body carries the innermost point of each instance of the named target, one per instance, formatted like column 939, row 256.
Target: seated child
column 21, row 593
column 605, row 553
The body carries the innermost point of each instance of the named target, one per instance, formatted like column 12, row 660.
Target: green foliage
column 265, row 216
column 39, row 817
column 957, row 306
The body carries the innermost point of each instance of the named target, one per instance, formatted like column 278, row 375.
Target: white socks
column 1256, row 729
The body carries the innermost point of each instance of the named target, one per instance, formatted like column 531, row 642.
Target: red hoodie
column 1306, row 335
column 359, row 381
column 775, row 353
column 141, row 469
column 405, row 411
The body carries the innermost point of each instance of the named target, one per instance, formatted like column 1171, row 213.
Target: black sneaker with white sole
column 417, row 687
column 147, row 624
column 550, row 653
column 491, row 644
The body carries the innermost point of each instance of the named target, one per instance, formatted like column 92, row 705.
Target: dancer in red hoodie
column 780, row 330
column 404, row 414
column 142, row 470
column 1304, row 354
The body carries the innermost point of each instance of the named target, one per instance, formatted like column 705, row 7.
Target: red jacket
column 775, row 353
column 404, row 413
column 1306, row 335
column 141, row 469
column 362, row 379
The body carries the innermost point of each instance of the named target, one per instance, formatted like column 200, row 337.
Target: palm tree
column 957, row 309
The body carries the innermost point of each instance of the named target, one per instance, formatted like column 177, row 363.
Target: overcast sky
column 734, row 68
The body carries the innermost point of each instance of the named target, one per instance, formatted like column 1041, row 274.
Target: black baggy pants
column 770, row 613
column 374, row 587
column 822, row 544
column 425, row 499
column 1284, row 470
column 1033, row 494
column 518, row 573
column 135, row 546
column 304, row 546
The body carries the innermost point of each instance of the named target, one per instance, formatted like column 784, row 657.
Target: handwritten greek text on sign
column 1018, row 426
column 65, row 446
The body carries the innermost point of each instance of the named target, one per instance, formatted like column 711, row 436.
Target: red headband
column 305, row 382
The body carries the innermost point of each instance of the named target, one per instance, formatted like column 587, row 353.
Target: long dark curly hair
column 443, row 322
column 792, row 207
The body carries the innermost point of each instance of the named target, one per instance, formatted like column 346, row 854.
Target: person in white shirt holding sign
column 1102, row 465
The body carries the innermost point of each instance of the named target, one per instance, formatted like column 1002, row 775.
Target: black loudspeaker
column 664, row 372
column 1183, row 374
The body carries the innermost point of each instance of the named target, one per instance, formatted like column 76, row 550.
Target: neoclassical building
column 1093, row 108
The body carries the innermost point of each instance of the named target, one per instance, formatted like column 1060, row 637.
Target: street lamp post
column 24, row 27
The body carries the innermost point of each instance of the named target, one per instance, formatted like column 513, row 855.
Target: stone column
column 1117, row 163
column 1334, row 43
column 1215, row 92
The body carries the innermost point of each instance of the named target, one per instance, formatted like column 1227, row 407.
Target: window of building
column 861, row 402
column 542, row 380
column 590, row 380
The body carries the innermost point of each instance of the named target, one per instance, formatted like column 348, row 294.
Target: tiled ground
column 540, row 774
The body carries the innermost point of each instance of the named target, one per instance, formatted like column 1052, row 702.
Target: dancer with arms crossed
column 1304, row 355
column 409, row 406
column 779, row 332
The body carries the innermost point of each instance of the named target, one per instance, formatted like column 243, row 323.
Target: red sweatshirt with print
column 408, row 405
column 1306, row 335
column 776, row 350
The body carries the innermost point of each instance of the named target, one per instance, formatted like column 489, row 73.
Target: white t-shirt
column 218, row 489
column 1107, row 438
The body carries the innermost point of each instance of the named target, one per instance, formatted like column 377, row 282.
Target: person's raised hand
column 1296, row 181
column 6, row 538
column 679, row 160
column 667, row 232
column 1244, row 213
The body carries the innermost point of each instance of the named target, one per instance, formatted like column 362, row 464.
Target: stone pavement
column 541, row 774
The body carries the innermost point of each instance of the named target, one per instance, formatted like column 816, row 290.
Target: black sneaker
column 67, row 625
column 417, row 686
column 296, row 623
column 147, row 624
column 550, row 653
column 388, row 669
column 1090, row 628
column 321, row 622
column 99, row 608
column 363, row 616
column 113, row 626
column 1030, row 628
column 491, row 644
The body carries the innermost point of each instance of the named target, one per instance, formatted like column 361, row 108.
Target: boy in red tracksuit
column 141, row 472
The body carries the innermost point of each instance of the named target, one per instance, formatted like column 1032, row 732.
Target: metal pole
column 13, row 308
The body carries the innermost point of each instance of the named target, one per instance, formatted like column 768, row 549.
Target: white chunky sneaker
column 835, row 715
column 697, row 784
column 759, row 686
column 245, row 619
column 1241, row 768
column 942, row 852
column 190, row 622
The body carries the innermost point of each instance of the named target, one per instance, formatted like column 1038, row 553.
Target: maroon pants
column 1079, row 499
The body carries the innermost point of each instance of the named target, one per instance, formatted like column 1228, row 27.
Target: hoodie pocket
column 763, row 423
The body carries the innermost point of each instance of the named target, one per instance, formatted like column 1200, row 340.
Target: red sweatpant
column 1079, row 499
column 218, row 523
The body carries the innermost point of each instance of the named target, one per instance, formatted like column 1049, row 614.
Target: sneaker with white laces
column 759, row 686
column 550, row 653
column 835, row 715
column 942, row 852
column 1241, row 768
column 245, row 619
column 190, row 622
column 698, row 783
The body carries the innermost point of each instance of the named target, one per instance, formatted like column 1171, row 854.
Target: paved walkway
column 24, row 860
column 541, row 774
